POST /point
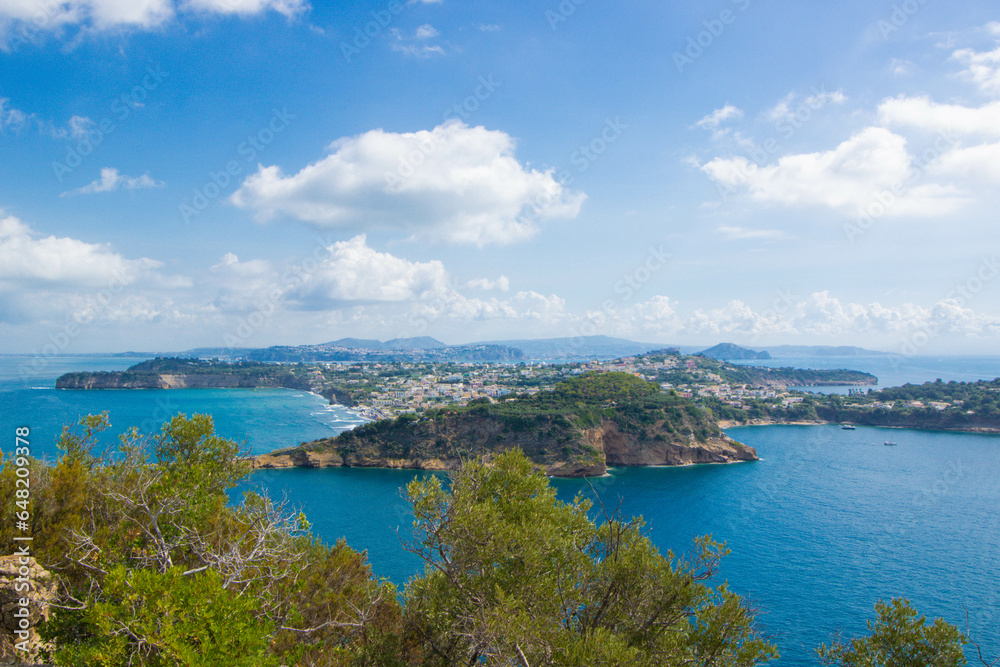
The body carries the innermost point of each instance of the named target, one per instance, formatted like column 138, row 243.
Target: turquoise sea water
column 826, row 523
column 264, row 419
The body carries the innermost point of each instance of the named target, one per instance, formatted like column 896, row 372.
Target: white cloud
column 26, row 259
column 787, row 110
column 847, row 178
column 502, row 283
column 719, row 116
column 249, row 7
column 417, row 45
column 455, row 183
column 11, row 118
column 924, row 114
column 47, row 16
column 99, row 14
column 713, row 120
column 354, row 272
column 975, row 163
column 426, row 31
column 982, row 68
column 112, row 180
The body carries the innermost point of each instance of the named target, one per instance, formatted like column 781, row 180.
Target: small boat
column 847, row 427
column 889, row 444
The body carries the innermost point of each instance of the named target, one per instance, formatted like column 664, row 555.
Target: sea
column 826, row 523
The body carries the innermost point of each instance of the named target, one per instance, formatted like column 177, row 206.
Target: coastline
column 976, row 430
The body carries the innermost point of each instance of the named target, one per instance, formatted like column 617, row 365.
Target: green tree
column 900, row 637
column 157, row 566
column 514, row 576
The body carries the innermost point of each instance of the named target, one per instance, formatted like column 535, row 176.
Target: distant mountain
column 356, row 343
column 821, row 351
column 579, row 348
column 354, row 349
column 419, row 343
column 732, row 351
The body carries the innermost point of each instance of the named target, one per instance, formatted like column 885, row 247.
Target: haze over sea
column 826, row 523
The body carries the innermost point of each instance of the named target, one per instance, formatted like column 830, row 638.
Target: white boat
column 889, row 444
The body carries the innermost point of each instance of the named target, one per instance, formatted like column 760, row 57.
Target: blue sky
column 258, row 172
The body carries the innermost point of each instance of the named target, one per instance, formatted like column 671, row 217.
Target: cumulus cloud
column 28, row 259
column 454, row 183
column 847, row 178
column 112, row 180
column 977, row 163
column 924, row 114
column 355, row 272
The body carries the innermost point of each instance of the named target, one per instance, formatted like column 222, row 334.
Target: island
column 579, row 428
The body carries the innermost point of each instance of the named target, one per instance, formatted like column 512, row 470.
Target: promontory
column 582, row 426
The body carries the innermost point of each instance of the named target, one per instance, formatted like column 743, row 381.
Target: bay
column 260, row 419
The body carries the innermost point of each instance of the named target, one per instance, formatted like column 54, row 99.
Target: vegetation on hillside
column 547, row 426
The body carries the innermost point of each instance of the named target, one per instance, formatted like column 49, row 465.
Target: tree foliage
column 900, row 637
column 515, row 576
column 158, row 567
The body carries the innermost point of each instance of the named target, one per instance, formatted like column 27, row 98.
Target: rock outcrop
column 555, row 446
column 23, row 582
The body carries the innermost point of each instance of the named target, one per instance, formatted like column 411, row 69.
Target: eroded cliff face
column 627, row 449
column 119, row 380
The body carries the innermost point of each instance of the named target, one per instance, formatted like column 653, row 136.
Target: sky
column 185, row 173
